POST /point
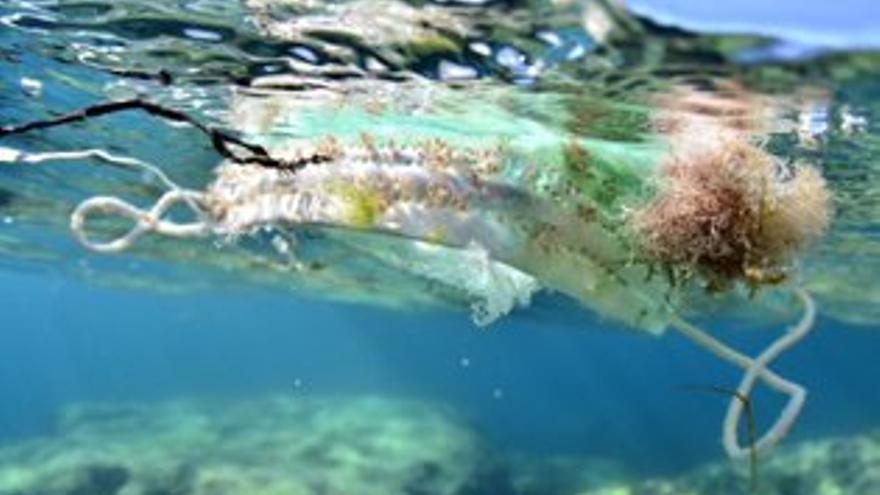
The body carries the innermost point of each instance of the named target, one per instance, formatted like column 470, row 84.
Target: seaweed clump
column 731, row 211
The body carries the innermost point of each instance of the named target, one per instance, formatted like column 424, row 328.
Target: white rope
column 755, row 369
column 11, row 155
column 797, row 393
column 145, row 221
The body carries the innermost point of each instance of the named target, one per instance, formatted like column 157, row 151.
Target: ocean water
column 163, row 370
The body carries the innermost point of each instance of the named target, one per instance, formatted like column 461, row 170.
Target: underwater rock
column 101, row 480
column 281, row 445
column 563, row 475
column 312, row 446
column 838, row 466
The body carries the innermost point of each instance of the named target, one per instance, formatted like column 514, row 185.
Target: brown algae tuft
column 732, row 211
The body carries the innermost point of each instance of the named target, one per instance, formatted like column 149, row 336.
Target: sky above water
column 845, row 23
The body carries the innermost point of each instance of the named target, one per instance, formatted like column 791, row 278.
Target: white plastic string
column 755, row 369
column 145, row 221
column 11, row 155
column 797, row 393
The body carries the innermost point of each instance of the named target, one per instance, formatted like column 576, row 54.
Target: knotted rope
column 757, row 369
column 145, row 221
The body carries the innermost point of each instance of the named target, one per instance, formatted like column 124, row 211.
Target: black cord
column 223, row 142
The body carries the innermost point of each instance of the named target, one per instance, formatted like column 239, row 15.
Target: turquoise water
column 560, row 399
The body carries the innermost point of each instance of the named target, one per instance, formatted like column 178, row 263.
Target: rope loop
column 797, row 395
column 145, row 221
column 758, row 369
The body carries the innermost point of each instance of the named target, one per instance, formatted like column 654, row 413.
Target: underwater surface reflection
column 322, row 360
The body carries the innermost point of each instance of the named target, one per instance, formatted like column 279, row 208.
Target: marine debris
column 631, row 230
